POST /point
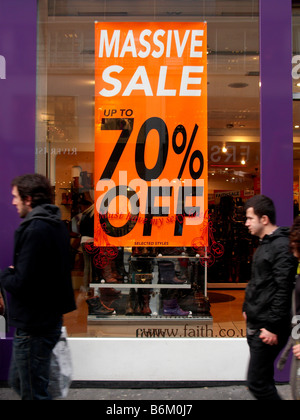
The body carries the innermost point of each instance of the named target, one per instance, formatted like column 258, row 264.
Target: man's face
column 23, row 207
column 254, row 223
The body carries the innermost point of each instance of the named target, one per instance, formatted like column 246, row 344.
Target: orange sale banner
column 151, row 134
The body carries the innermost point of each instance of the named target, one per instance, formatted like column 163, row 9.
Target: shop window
column 153, row 291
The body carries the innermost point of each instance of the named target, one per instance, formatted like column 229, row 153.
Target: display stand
column 161, row 296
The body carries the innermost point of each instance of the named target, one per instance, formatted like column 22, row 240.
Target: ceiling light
column 238, row 85
column 224, row 149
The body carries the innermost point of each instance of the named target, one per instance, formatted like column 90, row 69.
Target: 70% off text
column 188, row 195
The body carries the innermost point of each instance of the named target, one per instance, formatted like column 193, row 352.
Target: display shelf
column 123, row 286
column 162, row 299
column 129, row 319
column 166, row 257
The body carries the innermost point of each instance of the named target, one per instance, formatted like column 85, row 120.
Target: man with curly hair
column 39, row 283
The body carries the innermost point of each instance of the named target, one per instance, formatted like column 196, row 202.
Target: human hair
column 36, row 186
column 295, row 236
column 262, row 206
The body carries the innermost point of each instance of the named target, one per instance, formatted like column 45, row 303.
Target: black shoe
column 96, row 307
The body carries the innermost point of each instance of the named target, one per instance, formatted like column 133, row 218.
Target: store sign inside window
column 151, row 134
column 2, row 67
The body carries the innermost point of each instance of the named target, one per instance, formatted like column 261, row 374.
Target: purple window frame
column 18, row 37
column 276, row 114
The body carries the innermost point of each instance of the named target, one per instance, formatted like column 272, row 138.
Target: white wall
column 115, row 359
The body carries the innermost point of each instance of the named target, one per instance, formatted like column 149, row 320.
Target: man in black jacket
column 39, row 283
column 267, row 307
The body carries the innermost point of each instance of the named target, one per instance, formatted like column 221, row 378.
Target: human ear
column 265, row 220
column 28, row 201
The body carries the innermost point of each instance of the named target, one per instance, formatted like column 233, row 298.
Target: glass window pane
column 173, row 294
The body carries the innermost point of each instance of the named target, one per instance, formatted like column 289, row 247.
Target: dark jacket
column 268, row 294
column 40, row 283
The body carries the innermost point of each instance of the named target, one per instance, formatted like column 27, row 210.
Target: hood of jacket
column 46, row 212
column 281, row 232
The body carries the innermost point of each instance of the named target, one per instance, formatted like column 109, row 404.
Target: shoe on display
column 202, row 303
column 171, row 308
column 145, row 302
column 168, row 274
column 129, row 307
column 96, row 307
column 108, row 297
column 108, row 274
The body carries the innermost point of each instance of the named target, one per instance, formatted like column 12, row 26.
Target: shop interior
column 200, row 300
